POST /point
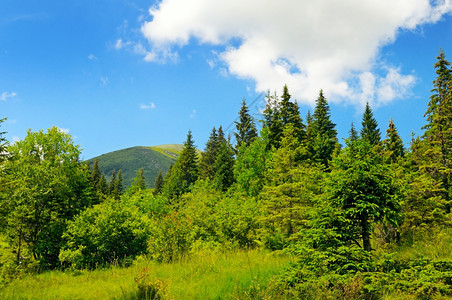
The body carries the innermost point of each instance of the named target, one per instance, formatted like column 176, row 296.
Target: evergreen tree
column 138, row 183
column 369, row 130
column 272, row 120
column 95, row 174
column 393, row 145
column 224, row 164
column 117, row 187
column 207, row 161
column 184, row 172
column 112, row 183
column 322, row 137
column 353, row 134
column 438, row 134
column 290, row 114
column 246, row 128
column 158, row 183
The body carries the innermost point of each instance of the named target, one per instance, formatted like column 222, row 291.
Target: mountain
column 130, row 160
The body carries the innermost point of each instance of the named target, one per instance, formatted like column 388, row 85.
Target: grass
column 205, row 275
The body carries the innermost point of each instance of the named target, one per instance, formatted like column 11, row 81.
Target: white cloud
column 308, row 45
column 6, row 95
column 193, row 113
column 92, row 57
column 119, row 44
column 151, row 105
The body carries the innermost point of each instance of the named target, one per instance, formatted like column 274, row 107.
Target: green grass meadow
column 205, row 275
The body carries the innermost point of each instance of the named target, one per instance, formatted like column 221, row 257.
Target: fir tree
column 246, row 128
column 369, row 130
column 207, row 161
column 224, row 163
column 353, row 134
column 322, row 137
column 117, row 187
column 184, row 172
column 393, row 145
column 290, row 114
column 158, row 183
column 112, row 183
column 272, row 120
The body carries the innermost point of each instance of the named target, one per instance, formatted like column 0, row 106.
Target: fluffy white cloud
column 6, row 95
column 151, row 105
column 307, row 44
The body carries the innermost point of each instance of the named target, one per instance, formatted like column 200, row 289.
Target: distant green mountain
column 130, row 160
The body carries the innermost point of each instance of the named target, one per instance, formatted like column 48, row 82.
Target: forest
column 366, row 218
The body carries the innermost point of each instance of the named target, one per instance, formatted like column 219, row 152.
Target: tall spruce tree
column 322, row 137
column 272, row 120
column 207, row 161
column 393, row 144
column 185, row 171
column 246, row 127
column 112, row 184
column 290, row 114
column 369, row 130
column 158, row 183
column 353, row 134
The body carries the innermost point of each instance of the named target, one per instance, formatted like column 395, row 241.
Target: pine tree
column 117, row 187
column 369, row 130
column 290, row 114
column 393, row 145
column 185, row 171
column 322, row 137
column 246, row 127
column 207, row 161
column 353, row 134
column 95, row 174
column 158, row 183
column 224, row 163
column 112, row 183
column 272, row 120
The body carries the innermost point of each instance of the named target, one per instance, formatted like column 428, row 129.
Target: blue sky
column 119, row 73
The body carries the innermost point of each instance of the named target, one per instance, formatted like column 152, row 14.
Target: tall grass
column 205, row 275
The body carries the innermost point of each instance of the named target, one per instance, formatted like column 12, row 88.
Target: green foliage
column 185, row 171
column 369, row 130
column 149, row 289
column 251, row 164
column 3, row 143
column 170, row 238
column 321, row 135
column 158, row 185
column 44, row 187
column 138, row 183
column 364, row 188
column 393, row 144
column 246, row 127
column 107, row 232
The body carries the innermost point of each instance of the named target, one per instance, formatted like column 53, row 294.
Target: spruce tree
column 207, row 161
column 185, row 171
column 290, row 114
column 353, row 134
column 158, row 183
column 322, row 137
column 393, row 144
column 272, row 120
column 95, row 174
column 117, row 187
column 112, row 183
column 224, row 163
column 369, row 130
column 246, row 127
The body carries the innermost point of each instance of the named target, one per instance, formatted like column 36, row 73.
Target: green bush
column 108, row 232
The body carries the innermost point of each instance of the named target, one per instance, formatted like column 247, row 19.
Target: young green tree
column 224, row 164
column 44, row 187
column 322, row 137
column 393, row 144
column 158, row 185
column 272, row 120
column 369, row 130
column 112, row 184
column 184, row 172
column 290, row 114
column 353, row 134
column 116, row 192
column 363, row 189
column 207, row 161
column 246, row 127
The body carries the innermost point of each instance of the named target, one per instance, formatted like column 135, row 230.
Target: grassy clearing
column 205, row 275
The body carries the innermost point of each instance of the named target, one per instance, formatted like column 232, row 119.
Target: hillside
column 151, row 159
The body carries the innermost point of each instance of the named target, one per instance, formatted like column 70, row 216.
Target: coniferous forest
column 286, row 212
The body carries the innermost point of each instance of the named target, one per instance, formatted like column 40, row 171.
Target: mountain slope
column 130, row 160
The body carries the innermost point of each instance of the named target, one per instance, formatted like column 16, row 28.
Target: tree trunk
column 365, row 232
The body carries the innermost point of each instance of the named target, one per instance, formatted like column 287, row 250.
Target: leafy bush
column 107, row 232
